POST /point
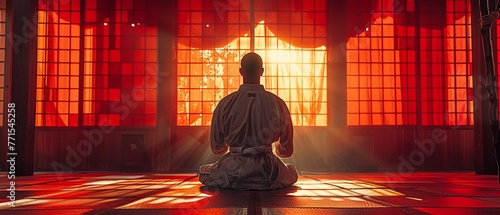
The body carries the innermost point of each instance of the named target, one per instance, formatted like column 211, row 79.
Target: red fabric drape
column 284, row 18
column 52, row 63
column 217, row 25
column 443, row 46
column 220, row 21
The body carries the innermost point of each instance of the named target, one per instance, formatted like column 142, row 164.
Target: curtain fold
column 298, row 75
column 383, row 57
column 223, row 16
column 219, row 22
column 211, row 24
column 48, row 71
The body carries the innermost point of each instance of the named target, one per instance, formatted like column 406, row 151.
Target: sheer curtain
column 58, row 59
column 393, row 57
column 297, row 75
column 374, row 79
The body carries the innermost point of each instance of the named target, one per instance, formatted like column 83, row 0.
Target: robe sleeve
column 217, row 144
column 284, row 148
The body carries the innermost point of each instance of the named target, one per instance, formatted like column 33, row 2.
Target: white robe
column 247, row 123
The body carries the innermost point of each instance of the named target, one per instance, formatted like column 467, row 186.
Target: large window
column 290, row 37
column 407, row 63
column 120, row 84
column 388, row 67
column 57, row 95
column 97, row 71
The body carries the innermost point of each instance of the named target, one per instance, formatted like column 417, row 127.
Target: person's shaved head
column 251, row 65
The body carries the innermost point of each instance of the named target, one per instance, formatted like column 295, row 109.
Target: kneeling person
column 251, row 123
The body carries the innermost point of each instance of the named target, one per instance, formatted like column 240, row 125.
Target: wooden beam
column 338, row 155
column 484, row 8
column 167, row 84
column 22, row 87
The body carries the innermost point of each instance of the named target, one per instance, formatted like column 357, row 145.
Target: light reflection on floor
column 98, row 193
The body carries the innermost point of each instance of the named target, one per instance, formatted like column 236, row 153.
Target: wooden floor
column 344, row 193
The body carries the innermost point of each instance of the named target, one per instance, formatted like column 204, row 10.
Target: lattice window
column 57, row 94
column 296, row 73
column 383, row 59
column 120, row 64
column 115, row 84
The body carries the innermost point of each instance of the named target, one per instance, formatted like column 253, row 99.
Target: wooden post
column 167, row 85
column 22, row 42
column 492, row 79
column 338, row 150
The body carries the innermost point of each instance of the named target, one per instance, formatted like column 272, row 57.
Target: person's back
column 248, row 122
